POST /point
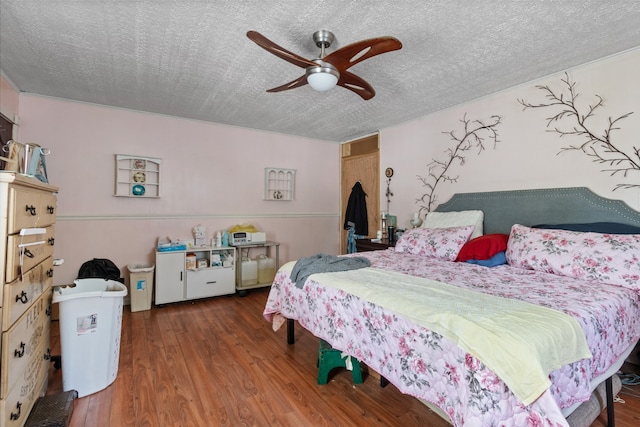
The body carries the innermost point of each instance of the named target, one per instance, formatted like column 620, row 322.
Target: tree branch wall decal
column 474, row 134
column 597, row 145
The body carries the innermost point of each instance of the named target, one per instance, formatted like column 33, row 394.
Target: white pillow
column 456, row 219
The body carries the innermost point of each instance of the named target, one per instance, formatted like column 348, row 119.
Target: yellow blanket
column 521, row 342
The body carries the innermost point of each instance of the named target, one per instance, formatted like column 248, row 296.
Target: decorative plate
column 138, row 190
column 139, row 176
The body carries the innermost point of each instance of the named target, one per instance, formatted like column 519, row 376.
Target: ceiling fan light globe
column 323, row 77
column 322, row 82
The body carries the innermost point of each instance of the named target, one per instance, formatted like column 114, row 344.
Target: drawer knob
column 22, row 297
column 50, row 272
column 31, row 209
column 15, row 416
column 19, row 353
column 50, row 209
column 51, row 241
column 47, row 355
column 48, row 311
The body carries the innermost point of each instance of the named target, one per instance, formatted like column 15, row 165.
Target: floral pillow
column 606, row 258
column 443, row 243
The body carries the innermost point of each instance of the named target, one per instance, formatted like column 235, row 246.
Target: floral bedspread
column 426, row 365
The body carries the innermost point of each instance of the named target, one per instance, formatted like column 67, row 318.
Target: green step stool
column 329, row 358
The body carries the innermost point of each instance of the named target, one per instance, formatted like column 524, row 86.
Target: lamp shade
column 322, row 77
column 322, row 81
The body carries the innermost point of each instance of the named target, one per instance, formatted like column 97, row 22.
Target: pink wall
column 210, row 174
column 9, row 99
column 526, row 155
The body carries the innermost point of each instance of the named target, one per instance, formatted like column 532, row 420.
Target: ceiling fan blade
column 349, row 55
column 356, row 84
column 300, row 81
column 279, row 51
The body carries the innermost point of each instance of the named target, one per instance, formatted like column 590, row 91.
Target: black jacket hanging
column 356, row 213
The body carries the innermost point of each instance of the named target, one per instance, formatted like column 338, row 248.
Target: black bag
column 100, row 268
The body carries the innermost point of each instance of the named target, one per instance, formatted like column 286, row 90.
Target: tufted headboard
column 502, row 209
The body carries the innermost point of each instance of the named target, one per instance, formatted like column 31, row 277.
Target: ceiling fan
column 326, row 72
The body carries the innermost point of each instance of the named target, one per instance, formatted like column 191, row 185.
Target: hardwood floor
column 216, row 362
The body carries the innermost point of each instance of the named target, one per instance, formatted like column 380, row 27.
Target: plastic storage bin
column 266, row 269
column 90, row 325
column 141, row 286
column 249, row 272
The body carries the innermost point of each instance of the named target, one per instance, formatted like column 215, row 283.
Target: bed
column 416, row 315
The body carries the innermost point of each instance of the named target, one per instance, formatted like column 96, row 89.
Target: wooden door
column 361, row 162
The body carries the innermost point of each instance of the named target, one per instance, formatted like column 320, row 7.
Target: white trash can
column 90, row 326
column 141, row 286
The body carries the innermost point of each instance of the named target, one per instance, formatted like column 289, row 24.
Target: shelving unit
column 279, row 184
column 137, row 176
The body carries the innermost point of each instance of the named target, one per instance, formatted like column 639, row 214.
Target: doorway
column 361, row 162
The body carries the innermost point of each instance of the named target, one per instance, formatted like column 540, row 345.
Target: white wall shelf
column 279, row 184
column 137, row 176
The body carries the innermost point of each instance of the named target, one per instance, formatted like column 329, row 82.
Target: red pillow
column 483, row 247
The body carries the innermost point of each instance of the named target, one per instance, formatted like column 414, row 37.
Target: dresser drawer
column 15, row 409
column 24, row 347
column 29, row 208
column 20, row 294
column 33, row 254
column 210, row 282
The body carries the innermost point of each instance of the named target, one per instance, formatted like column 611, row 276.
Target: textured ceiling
column 192, row 58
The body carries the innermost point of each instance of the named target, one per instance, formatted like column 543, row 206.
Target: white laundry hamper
column 90, row 326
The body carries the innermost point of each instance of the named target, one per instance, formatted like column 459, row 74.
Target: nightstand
column 365, row 245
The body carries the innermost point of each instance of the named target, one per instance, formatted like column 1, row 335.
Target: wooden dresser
column 27, row 219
